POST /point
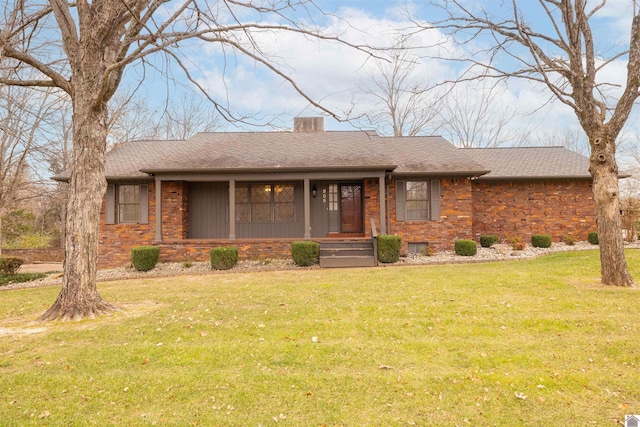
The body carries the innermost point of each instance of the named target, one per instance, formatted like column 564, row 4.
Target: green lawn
column 522, row 343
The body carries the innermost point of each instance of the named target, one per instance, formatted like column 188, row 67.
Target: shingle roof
column 272, row 151
column 531, row 163
column 220, row 151
column 432, row 155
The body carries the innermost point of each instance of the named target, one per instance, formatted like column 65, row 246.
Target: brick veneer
column 468, row 209
column 455, row 220
column 175, row 214
column 116, row 240
column 371, row 205
column 520, row 209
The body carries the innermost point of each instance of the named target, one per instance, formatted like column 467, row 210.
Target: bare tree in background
column 23, row 114
column 406, row 104
column 187, row 116
column 559, row 52
column 83, row 48
column 473, row 115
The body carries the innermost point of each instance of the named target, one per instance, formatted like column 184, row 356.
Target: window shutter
column 144, row 204
column 400, row 200
column 110, row 207
column 435, row 200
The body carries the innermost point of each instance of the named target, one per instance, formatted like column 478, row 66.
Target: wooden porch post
column 307, row 209
column 158, row 209
column 383, row 204
column 232, row 209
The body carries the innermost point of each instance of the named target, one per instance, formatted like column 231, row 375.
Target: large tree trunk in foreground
column 79, row 297
column 606, row 195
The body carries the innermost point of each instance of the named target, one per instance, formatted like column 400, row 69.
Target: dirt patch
column 22, row 327
column 8, row 332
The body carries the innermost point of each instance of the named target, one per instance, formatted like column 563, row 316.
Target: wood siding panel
column 208, row 210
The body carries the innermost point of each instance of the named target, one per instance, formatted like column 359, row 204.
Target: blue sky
column 332, row 74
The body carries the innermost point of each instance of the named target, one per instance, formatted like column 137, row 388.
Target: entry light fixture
column 314, row 191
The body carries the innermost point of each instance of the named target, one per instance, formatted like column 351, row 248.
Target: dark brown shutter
column 144, row 204
column 400, row 200
column 110, row 207
column 435, row 200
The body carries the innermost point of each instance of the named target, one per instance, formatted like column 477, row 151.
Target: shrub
column 465, row 247
column 488, row 240
column 224, row 257
column 305, row 252
column 515, row 243
column 569, row 240
column 144, row 258
column 541, row 241
column 389, row 248
column 10, row 265
column 592, row 238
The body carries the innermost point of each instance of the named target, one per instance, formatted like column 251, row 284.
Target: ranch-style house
column 260, row 191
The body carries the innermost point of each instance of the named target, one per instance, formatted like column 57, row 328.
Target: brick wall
column 467, row 210
column 520, row 209
column 455, row 220
column 198, row 250
column 371, row 205
column 116, row 240
column 36, row 255
column 175, row 215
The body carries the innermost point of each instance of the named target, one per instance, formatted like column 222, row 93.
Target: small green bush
column 541, row 241
column 305, row 252
column 592, row 238
column 569, row 240
column 144, row 258
column 224, row 257
column 465, row 247
column 10, row 265
column 488, row 240
column 389, row 248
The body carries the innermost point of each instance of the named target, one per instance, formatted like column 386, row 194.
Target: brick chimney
column 308, row 124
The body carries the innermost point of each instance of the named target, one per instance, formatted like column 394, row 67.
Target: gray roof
column 431, row 155
column 237, row 151
column 227, row 152
column 531, row 163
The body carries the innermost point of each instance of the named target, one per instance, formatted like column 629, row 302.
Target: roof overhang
column 225, row 171
column 442, row 174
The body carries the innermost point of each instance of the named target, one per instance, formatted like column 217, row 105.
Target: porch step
column 344, row 253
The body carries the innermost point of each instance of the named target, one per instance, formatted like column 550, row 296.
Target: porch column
column 307, row 209
column 232, row 209
column 383, row 204
column 158, row 209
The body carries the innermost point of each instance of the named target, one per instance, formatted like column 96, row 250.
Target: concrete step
column 328, row 252
column 345, row 253
column 351, row 261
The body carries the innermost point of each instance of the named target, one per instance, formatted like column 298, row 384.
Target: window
column 265, row 203
column 418, row 200
column 128, row 203
column 333, row 197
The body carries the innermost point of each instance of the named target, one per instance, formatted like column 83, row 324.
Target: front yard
column 527, row 343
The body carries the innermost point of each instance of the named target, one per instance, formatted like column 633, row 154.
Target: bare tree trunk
column 79, row 297
column 606, row 195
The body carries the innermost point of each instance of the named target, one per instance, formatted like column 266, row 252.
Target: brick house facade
column 261, row 191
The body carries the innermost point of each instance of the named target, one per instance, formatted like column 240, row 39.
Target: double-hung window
column 417, row 200
column 127, row 204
